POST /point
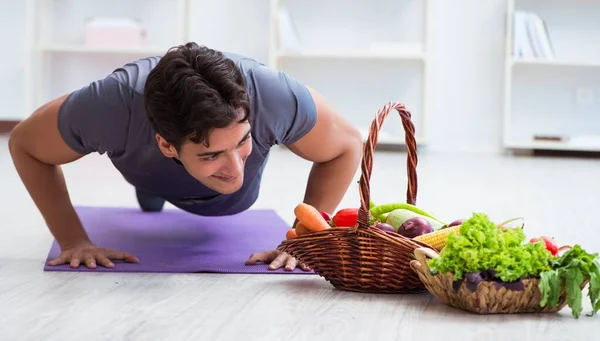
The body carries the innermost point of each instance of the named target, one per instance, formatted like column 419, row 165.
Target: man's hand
column 277, row 259
column 90, row 255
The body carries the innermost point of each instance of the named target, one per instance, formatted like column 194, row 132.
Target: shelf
column 589, row 143
column 384, row 138
column 551, row 75
column 111, row 50
column 355, row 55
column 389, row 51
column 518, row 61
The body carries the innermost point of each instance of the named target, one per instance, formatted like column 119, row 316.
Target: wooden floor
column 557, row 196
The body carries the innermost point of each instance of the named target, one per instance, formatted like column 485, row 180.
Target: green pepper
column 380, row 212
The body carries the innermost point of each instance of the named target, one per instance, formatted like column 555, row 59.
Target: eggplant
column 517, row 285
column 473, row 279
column 415, row 227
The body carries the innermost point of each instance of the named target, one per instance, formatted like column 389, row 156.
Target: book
column 531, row 38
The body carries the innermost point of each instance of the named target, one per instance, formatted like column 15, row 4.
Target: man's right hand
column 38, row 149
column 91, row 255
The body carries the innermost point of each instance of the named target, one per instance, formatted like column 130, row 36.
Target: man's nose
column 236, row 164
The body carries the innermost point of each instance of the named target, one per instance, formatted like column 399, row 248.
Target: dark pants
column 149, row 202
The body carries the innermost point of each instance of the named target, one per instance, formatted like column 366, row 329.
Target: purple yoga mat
column 174, row 241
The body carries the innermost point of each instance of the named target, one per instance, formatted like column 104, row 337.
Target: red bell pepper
column 549, row 242
column 326, row 216
column 345, row 217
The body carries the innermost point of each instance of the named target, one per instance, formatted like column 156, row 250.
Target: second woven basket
column 363, row 258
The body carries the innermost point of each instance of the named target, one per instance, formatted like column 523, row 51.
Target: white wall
column 467, row 70
column 12, row 59
column 466, row 63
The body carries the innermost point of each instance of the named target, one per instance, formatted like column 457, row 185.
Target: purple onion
column 456, row 222
column 385, row 227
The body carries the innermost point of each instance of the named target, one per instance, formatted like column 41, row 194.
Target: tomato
column 346, row 217
column 326, row 216
column 549, row 242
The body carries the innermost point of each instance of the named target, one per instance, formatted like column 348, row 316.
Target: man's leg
column 149, row 202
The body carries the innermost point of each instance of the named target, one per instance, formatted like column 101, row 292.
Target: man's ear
column 168, row 149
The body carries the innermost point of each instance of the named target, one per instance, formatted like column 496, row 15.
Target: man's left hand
column 277, row 259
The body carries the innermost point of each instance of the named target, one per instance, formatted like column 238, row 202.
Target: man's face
column 221, row 166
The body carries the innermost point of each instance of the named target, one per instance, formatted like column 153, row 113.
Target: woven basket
column 363, row 258
column 488, row 297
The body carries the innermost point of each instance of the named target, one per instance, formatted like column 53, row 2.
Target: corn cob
column 437, row 239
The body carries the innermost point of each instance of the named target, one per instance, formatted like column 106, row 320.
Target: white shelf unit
column 360, row 56
column 381, row 47
column 552, row 101
column 60, row 61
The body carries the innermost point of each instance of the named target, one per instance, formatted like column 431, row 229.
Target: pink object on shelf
column 114, row 32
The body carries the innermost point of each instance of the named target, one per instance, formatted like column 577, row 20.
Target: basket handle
column 367, row 159
column 422, row 254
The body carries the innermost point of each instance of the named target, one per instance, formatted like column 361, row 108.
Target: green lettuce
column 481, row 245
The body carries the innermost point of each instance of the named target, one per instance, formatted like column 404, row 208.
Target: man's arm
column 38, row 150
column 94, row 118
column 335, row 147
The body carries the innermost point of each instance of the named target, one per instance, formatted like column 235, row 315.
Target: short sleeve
column 284, row 107
column 96, row 117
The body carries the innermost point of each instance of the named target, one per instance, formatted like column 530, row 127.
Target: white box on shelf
column 114, row 33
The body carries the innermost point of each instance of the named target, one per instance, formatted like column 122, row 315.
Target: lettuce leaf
column 481, row 245
column 569, row 272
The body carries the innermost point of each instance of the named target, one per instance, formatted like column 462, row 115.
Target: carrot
column 301, row 229
column 310, row 217
column 291, row 234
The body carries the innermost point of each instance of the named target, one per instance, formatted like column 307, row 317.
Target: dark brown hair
column 192, row 90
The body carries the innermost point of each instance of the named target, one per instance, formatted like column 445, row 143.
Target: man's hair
column 191, row 91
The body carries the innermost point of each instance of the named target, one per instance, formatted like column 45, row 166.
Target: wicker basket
column 363, row 258
column 488, row 297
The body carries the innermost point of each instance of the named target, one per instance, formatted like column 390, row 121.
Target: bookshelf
column 552, row 75
column 366, row 55
column 59, row 58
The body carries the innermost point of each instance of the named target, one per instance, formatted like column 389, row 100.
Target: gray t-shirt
column 108, row 116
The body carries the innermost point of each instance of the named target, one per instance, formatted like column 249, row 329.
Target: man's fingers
column 304, row 267
column 75, row 262
column 91, row 257
column 62, row 259
column 90, row 261
column 291, row 263
column 279, row 261
column 124, row 256
column 265, row 256
column 130, row 258
column 104, row 261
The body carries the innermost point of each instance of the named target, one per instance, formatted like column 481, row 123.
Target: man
column 193, row 128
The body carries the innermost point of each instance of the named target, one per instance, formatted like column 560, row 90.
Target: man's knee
column 149, row 202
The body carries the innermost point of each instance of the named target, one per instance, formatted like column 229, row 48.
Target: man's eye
column 245, row 140
column 209, row 158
